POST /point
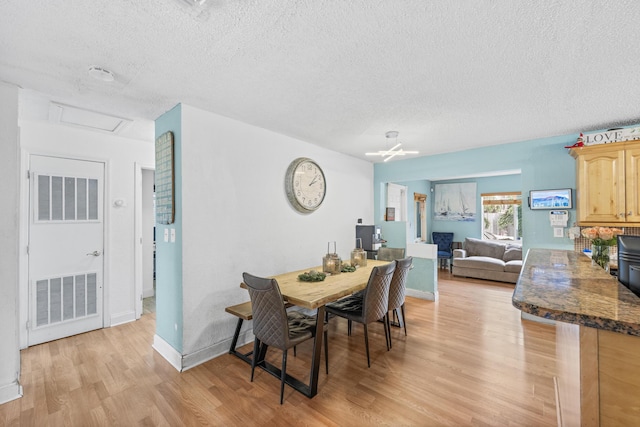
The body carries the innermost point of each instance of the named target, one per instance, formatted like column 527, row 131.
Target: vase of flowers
column 602, row 238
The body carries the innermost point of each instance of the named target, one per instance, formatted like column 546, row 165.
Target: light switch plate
column 558, row 232
column 173, row 235
column 166, row 235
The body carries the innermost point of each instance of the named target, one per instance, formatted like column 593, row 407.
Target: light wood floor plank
column 469, row 360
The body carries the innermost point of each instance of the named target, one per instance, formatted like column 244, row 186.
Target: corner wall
column 235, row 217
column 9, row 228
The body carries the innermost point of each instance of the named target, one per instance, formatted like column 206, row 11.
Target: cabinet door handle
column 621, row 215
column 630, row 213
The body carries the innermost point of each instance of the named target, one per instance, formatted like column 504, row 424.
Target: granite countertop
column 564, row 286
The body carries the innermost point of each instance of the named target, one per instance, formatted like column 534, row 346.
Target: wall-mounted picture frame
column 165, row 179
column 390, row 214
column 551, row 199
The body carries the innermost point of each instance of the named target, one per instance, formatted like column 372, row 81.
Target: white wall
column 236, row 217
column 120, row 156
column 9, row 189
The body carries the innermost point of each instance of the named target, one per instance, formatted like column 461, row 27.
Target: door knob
column 94, row 253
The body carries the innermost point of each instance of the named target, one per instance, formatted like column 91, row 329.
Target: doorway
column 420, row 201
column 145, row 239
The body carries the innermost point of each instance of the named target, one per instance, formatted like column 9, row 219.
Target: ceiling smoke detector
column 101, row 74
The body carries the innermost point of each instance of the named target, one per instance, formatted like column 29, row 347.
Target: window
column 502, row 216
column 420, row 201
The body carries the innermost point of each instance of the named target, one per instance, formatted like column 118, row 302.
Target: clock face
column 305, row 185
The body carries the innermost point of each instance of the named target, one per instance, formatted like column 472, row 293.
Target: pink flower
column 602, row 235
column 605, row 233
column 590, row 233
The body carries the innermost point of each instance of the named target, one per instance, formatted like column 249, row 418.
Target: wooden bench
column 242, row 312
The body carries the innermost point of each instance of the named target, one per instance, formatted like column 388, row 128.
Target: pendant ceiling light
column 393, row 151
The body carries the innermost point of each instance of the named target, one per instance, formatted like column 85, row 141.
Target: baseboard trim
column 430, row 296
column 211, row 352
column 170, row 354
column 11, row 391
column 188, row 361
column 125, row 317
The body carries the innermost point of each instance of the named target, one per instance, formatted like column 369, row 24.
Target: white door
column 65, row 248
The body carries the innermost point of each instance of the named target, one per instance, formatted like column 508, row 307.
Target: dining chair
column 274, row 326
column 397, row 291
column 371, row 307
column 444, row 240
column 390, row 254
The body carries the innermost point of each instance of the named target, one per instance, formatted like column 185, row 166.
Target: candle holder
column 331, row 263
column 358, row 255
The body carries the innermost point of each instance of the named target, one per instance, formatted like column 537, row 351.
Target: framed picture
column 455, row 202
column 391, row 214
column 551, row 199
column 165, row 179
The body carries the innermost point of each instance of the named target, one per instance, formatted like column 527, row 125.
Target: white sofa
column 488, row 259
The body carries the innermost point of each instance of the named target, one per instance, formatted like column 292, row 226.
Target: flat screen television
column 551, row 199
column 629, row 262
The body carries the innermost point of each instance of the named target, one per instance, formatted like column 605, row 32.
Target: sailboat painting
column 455, row 202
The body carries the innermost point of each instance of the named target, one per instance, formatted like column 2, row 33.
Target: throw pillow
column 512, row 254
column 488, row 248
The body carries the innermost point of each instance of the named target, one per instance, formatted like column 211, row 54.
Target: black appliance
column 371, row 241
column 629, row 262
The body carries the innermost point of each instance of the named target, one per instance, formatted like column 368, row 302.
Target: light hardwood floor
column 469, row 360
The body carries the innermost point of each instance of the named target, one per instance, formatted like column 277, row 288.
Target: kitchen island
column 597, row 336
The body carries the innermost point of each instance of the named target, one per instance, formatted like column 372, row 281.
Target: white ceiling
column 448, row 75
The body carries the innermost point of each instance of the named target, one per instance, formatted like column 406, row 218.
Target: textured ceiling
column 448, row 75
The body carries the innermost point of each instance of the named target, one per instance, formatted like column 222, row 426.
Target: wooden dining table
column 315, row 295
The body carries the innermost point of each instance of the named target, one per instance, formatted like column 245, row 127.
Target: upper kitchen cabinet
column 608, row 180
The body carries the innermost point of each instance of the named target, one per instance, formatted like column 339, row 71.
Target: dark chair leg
column 404, row 320
column 255, row 356
column 385, row 321
column 295, row 352
column 349, row 327
column 387, row 332
column 366, row 344
column 283, row 375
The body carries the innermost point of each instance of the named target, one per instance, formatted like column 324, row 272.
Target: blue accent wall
column 543, row 164
column 484, row 185
column 169, row 316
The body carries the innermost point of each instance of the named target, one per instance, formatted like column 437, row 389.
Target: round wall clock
column 305, row 185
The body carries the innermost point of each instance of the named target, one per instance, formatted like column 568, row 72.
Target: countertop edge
column 562, row 285
column 578, row 319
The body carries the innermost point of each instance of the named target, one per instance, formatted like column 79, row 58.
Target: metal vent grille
column 60, row 299
column 67, row 198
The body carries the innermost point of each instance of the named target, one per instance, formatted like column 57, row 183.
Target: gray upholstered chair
column 390, row 254
column 397, row 291
column 274, row 326
column 371, row 307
